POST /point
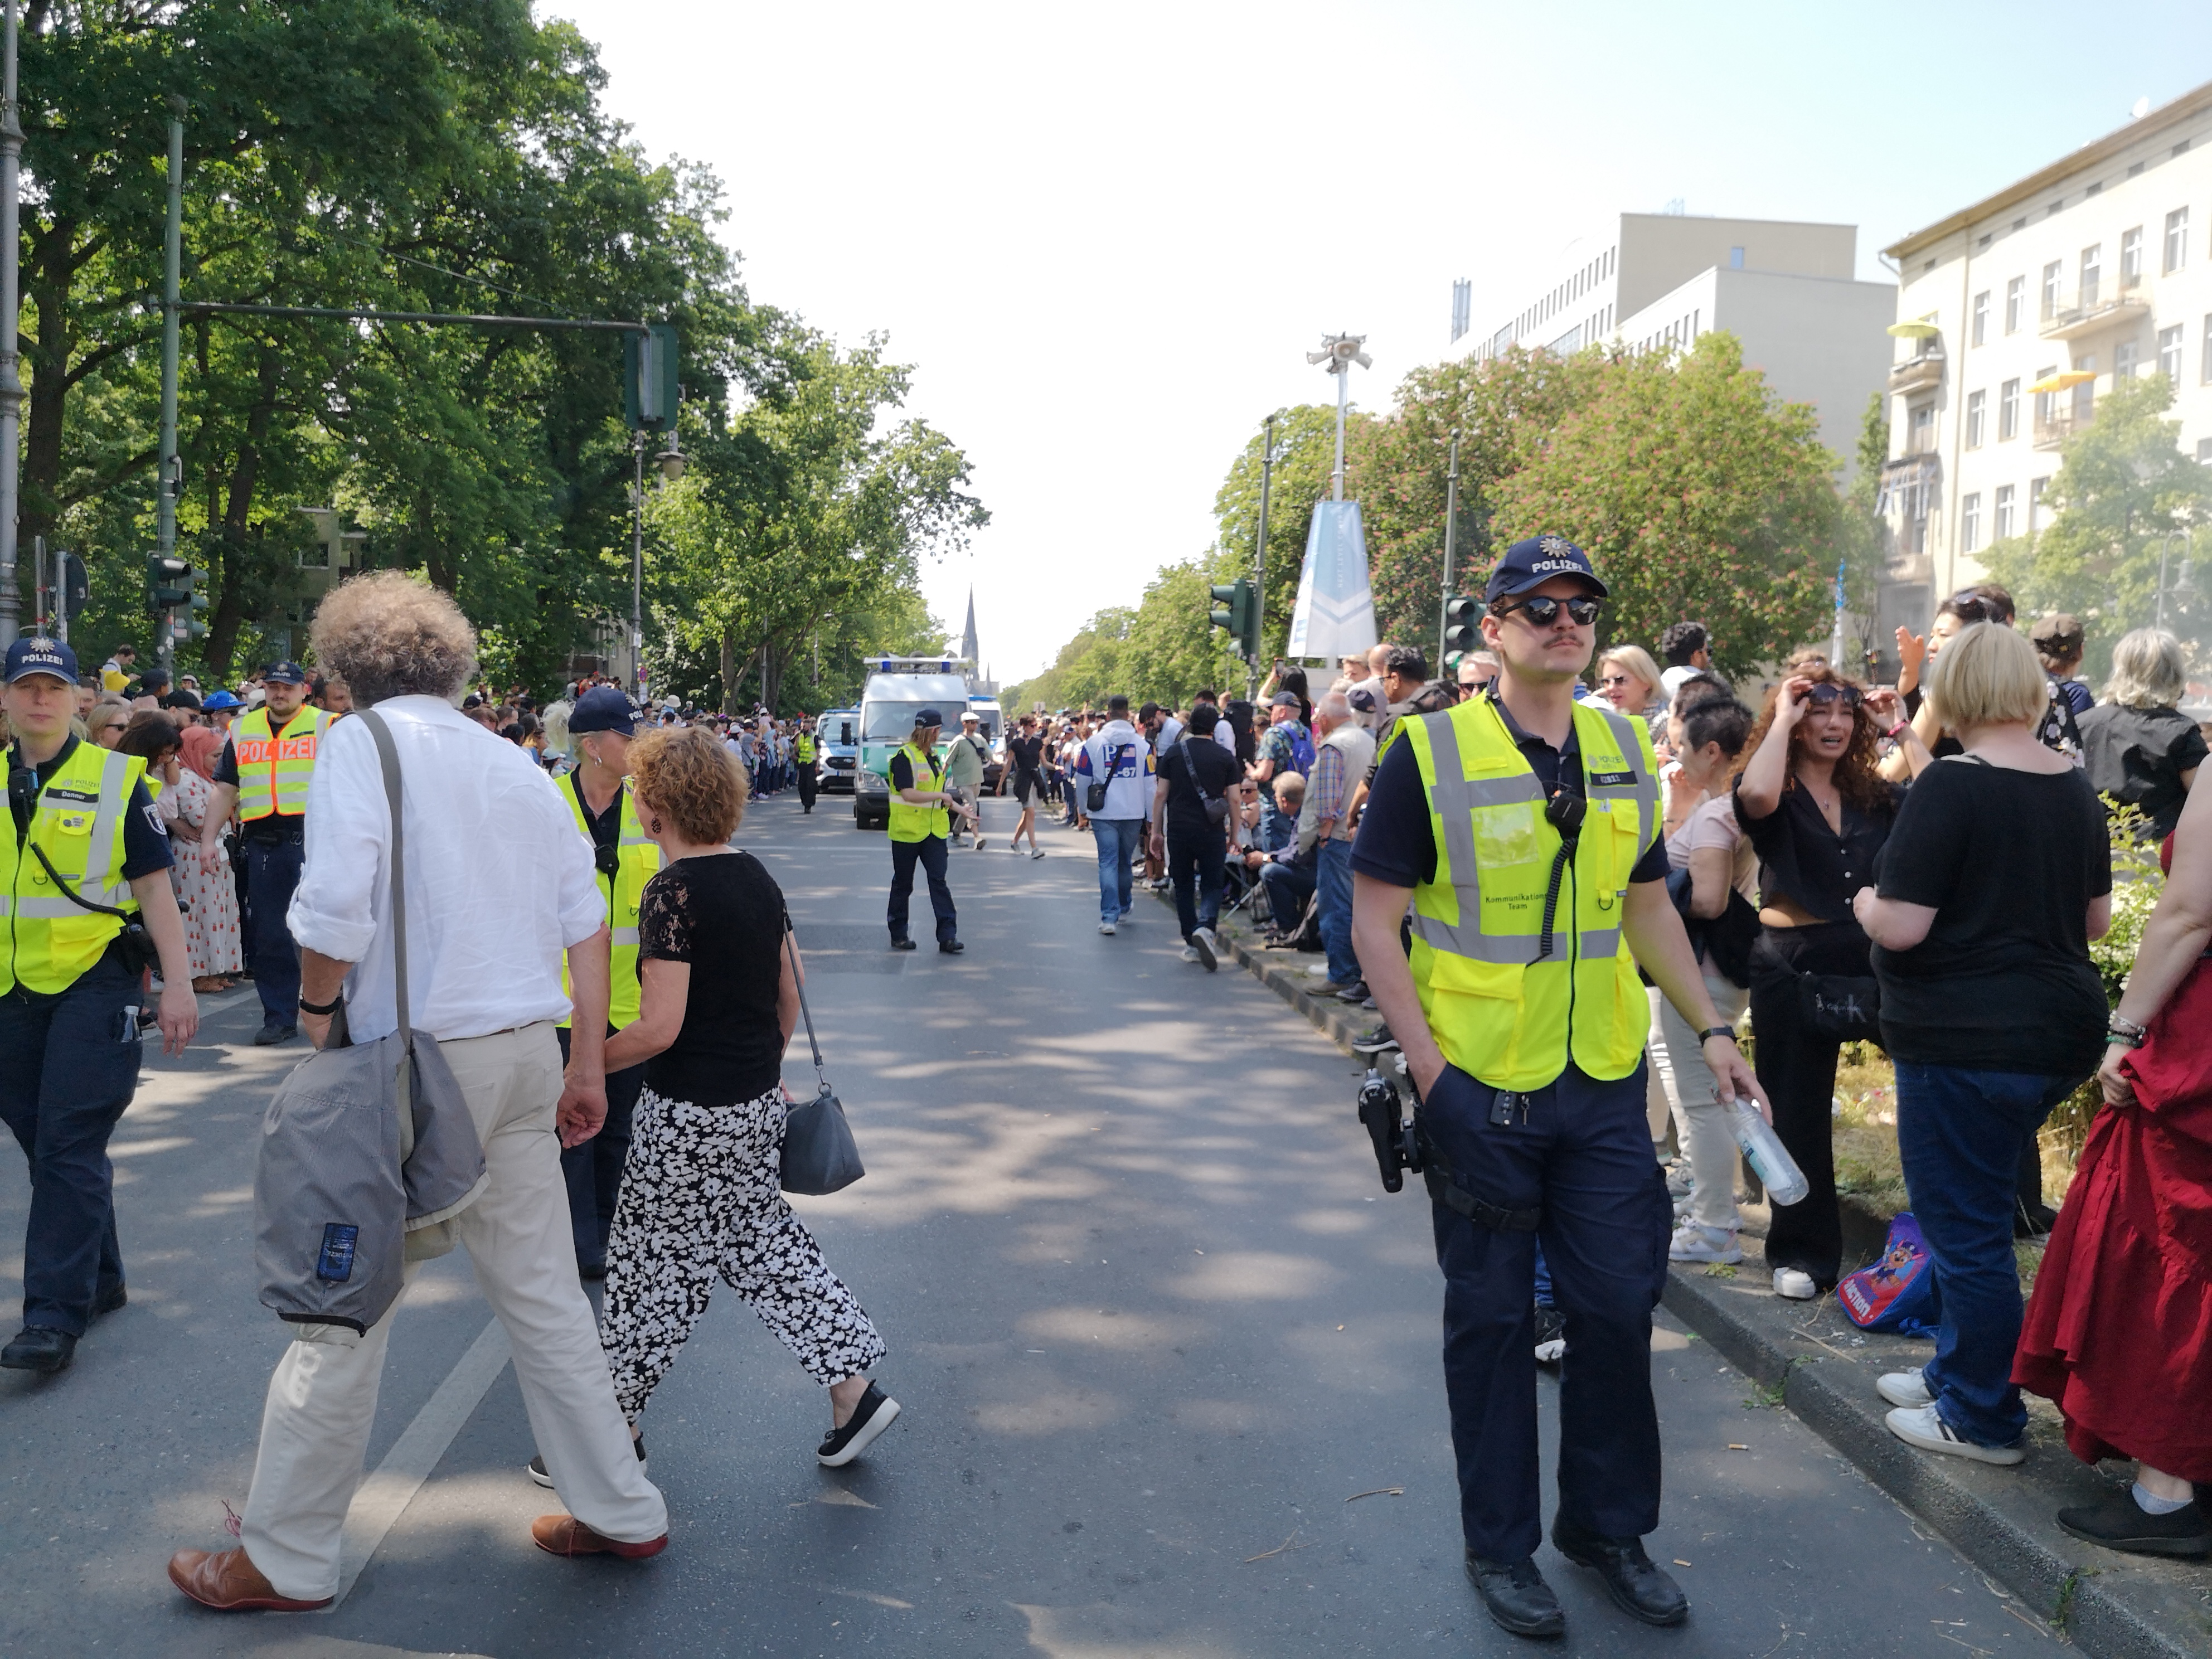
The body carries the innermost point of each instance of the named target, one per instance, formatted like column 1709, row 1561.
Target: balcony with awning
column 2056, row 422
column 1923, row 370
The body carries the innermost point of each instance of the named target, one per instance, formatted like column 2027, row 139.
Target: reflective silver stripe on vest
column 625, row 935
column 1457, row 797
column 114, row 796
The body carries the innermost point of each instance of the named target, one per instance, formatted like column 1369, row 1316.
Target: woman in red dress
column 2119, row 1331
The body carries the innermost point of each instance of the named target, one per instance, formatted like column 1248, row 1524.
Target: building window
column 1981, row 327
column 2131, row 257
column 2044, row 399
column 2015, row 295
column 2004, row 512
column 2204, row 451
column 2177, row 240
column 2008, row 411
column 2035, row 488
column 2051, row 274
column 1735, row 259
column 1974, row 402
column 2205, row 373
column 2125, row 356
column 2169, row 354
column 1969, row 523
column 2092, row 272
column 1922, row 430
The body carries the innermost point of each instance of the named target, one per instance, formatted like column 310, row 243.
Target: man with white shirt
column 1119, row 756
column 485, row 940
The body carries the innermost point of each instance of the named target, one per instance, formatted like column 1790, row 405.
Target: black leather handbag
column 818, row 1154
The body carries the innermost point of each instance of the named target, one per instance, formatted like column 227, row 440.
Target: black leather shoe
column 1638, row 1588
column 951, row 947
column 1516, row 1596
column 273, row 1032
column 38, row 1349
column 2118, row 1523
column 108, row 1304
column 902, row 945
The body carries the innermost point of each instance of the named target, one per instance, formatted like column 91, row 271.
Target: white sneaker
column 1107, row 928
column 1190, row 953
column 1207, row 947
column 1795, row 1285
column 1906, row 1388
column 1695, row 1243
column 979, row 843
column 1921, row 1427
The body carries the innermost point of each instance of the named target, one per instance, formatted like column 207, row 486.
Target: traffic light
column 650, row 391
column 1238, row 610
column 168, row 581
column 1462, row 632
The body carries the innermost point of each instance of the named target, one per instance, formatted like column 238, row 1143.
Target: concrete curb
column 2110, row 1606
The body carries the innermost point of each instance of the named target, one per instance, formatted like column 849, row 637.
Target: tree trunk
column 729, row 671
column 50, row 270
column 229, row 546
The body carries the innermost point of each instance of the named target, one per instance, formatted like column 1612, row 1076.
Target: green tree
column 2122, row 490
column 1697, row 493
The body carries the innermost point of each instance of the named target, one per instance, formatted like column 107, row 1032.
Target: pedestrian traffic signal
column 168, row 581
column 1237, row 609
column 1461, row 631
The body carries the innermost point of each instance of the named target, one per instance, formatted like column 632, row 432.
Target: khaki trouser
column 322, row 1400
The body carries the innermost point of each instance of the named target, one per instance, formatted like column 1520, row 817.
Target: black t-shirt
column 724, row 915
column 605, row 826
column 2137, row 756
column 1802, row 860
column 1395, row 842
column 1215, row 770
column 1027, row 752
column 2009, row 861
column 145, row 842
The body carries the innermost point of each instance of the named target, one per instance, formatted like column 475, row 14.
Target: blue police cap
column 602, row 709
column 1535, row 562
column 927, row 717
column 38, row 654
column 284, row 673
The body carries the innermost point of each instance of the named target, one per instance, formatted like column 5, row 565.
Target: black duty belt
column 1443, row 1190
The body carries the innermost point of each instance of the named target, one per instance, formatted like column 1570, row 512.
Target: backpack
column 1897, row 1293
column 1302, row 752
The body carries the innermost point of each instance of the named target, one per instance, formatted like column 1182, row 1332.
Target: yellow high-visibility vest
column 637, row 859
column 806, row 746
column 1503, row 1009
column 274, row 767
column 913, row 823
column 78, row 824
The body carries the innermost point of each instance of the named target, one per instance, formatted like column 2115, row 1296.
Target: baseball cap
column 284, row 673
column 925, row 717
column 1533, row 563
column 37, row 654
column 2059, row 629
column 216, row 700
column 1284, row 700
column 602, row 709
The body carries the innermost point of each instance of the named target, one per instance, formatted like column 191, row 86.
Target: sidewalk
column 1807, row 1356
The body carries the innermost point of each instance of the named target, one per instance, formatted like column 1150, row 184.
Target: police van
column 836, row 750
column 898, row 689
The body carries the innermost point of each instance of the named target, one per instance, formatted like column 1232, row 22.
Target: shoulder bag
column 1217, row 806
column 818, row 1154
column 1094, row 798
column 366, row 1150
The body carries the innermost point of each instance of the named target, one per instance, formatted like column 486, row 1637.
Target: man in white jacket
column 1122, row 756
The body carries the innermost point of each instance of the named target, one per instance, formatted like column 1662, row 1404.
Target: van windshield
column 890, row 722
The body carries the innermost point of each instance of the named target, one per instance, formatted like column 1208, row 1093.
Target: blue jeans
column 1120, row 840
column 1960, row 1134
column 1335, row 884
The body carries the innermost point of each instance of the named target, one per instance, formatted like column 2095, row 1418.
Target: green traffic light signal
column 1227, row 599
column 168, row 581
column 1237, row 609
column 1462, row 632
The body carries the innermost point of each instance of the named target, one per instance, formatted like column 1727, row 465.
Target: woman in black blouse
column 1817, row 814
column 701, row 1197
column 1023, row 773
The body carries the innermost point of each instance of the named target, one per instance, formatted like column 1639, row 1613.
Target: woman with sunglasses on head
column 1917, row 656
column 1817, row 813
column 1629, row 680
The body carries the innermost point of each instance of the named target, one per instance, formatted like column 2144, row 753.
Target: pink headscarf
column 199, row 746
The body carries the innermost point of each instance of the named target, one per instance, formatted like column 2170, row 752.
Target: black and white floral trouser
column 699, row 1198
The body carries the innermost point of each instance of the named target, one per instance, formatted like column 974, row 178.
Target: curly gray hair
column 387, row 634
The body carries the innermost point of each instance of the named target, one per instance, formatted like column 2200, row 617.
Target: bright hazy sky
column 1106, row 236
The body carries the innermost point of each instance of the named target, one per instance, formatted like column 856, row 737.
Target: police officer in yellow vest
column 263, row 771
column 601, row 726
column 920, row 826
column 802, row 757
column 85, row 880
column 1522, row 828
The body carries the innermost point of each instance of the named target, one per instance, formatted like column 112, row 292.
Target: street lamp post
column 671, row 461
column 1340, row 352
column 2165, row 548
column 1260, row 557
column 11, row 383
column 1451, row 533
column 167, row 479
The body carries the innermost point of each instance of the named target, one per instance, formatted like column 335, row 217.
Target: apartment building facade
column 2015, row 316
column 1658, row 281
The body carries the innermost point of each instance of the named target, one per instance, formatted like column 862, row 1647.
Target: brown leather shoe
column 564, row 1535
column 229, row 1583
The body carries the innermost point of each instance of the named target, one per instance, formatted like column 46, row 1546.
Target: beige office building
column 2015, row 314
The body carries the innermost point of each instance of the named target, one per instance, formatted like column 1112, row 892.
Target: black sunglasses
column 1543, row 609
column 1973, row 607
column 1827, row 691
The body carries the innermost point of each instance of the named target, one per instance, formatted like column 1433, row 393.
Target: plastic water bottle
column 1769, row 1159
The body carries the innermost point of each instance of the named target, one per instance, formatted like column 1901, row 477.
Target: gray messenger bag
column 366, row 1150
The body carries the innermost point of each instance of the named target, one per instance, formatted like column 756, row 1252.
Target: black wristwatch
column 322, row 1010
column 1727, row 1031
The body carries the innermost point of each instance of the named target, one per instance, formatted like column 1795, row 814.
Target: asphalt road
column 1168, row 1356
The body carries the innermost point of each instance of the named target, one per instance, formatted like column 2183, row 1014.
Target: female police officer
column 1522, row 827
column 87, row 860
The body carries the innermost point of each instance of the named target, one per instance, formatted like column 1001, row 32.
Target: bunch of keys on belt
column 1507, row 1107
